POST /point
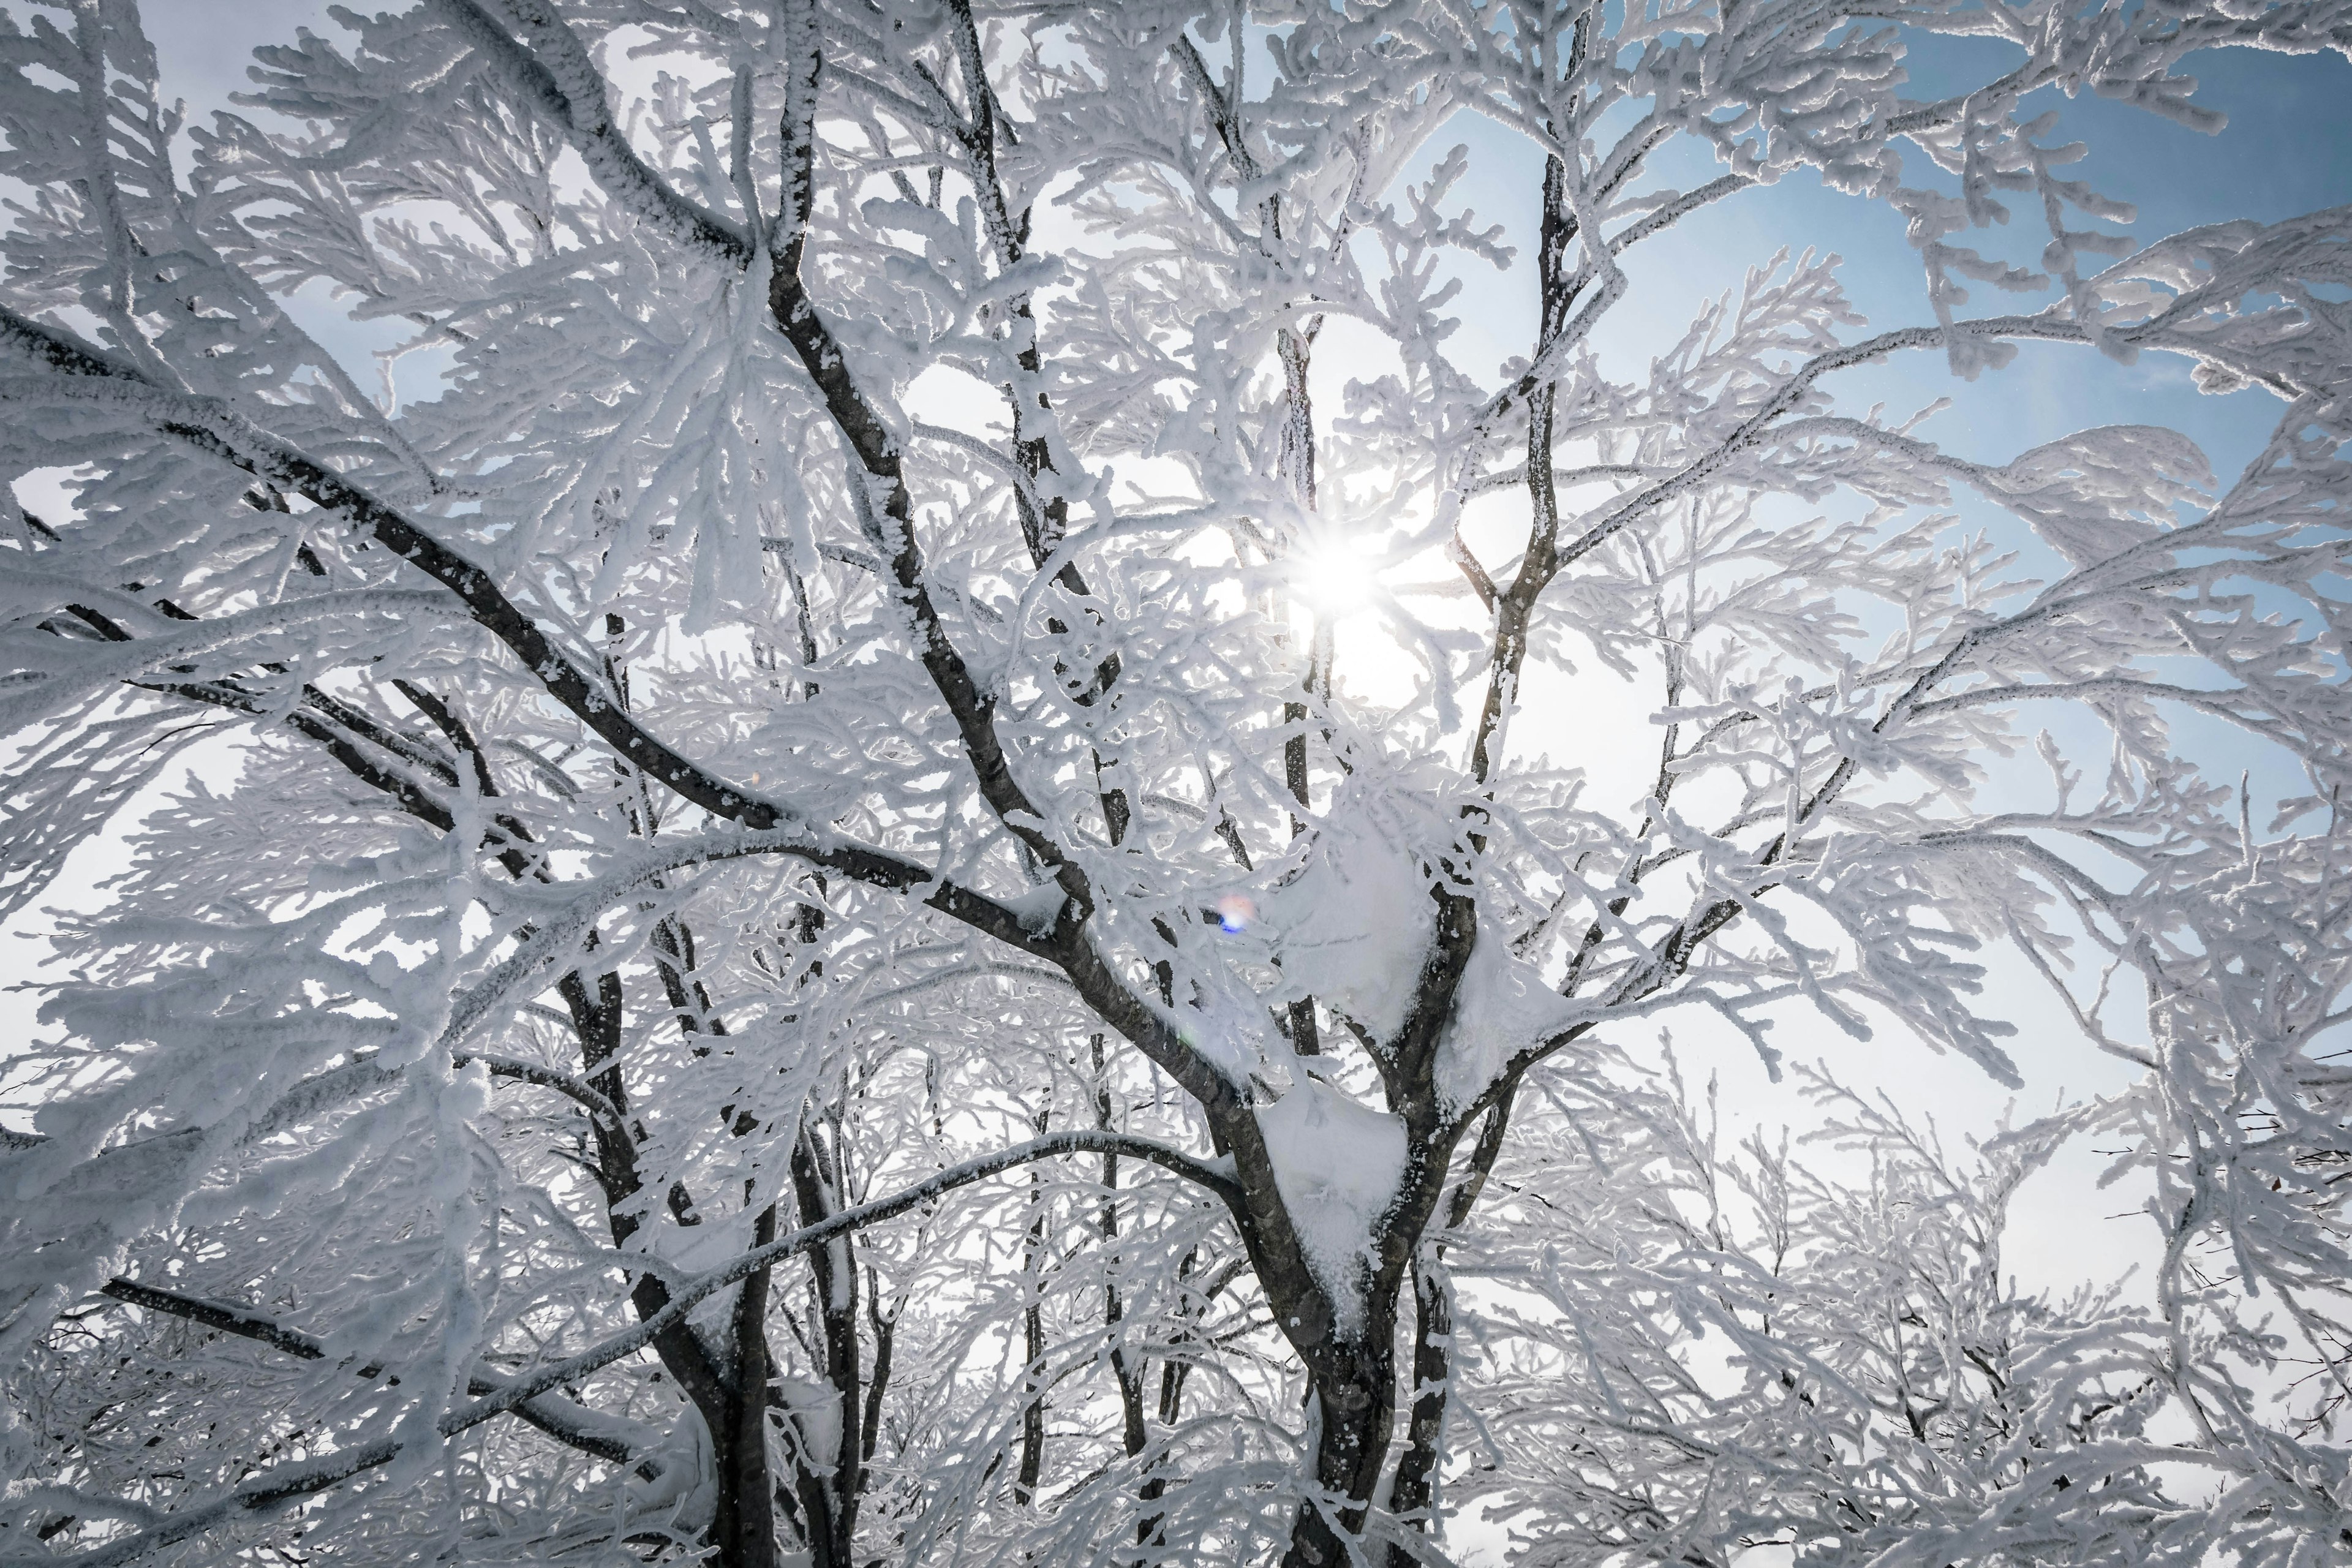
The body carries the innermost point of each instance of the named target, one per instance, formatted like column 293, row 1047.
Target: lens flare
column 1235, row 912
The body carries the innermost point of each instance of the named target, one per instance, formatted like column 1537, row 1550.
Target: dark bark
column 876, row 452
column 830, row 1485
column 1514, row 608
column 1414, row 1489
column 878, row 1380
column 1032, row 1465
column 1127, row 1371
column 1414, row 1486
column 733, row 1409
column 743, row 1521
column 1033, row 1346
column 1351, row 1365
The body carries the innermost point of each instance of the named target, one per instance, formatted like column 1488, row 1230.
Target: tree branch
column 212, row 427
column 562, row 84
column 285, row 1482
column 567, row 1423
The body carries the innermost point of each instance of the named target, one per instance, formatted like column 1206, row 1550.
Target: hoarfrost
column 629, row 738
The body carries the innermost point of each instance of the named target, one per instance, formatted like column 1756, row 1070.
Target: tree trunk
column 743, row 1531
column 830, row 1485
column 1352, row 1363
column 1413, row 1492
column 1033, row 1347
column 1353, row 1412
column 743, row 1523
column 1297, row 461
column 1415, row 1485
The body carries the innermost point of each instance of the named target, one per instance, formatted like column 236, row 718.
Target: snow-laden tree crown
column 727, row 958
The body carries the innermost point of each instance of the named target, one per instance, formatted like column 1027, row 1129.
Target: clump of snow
column 1502, row 1007
column 1037, row 909
column 1336, row 1165
column 1354, row 924
column 815, row 1412
column 713, row 1240
column 683, row 1484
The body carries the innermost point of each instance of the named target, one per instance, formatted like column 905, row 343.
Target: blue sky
column 2287, row 150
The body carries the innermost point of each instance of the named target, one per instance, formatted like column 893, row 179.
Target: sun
column 1334, row 579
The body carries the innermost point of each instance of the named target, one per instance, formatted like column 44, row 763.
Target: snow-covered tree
column 742, row 956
